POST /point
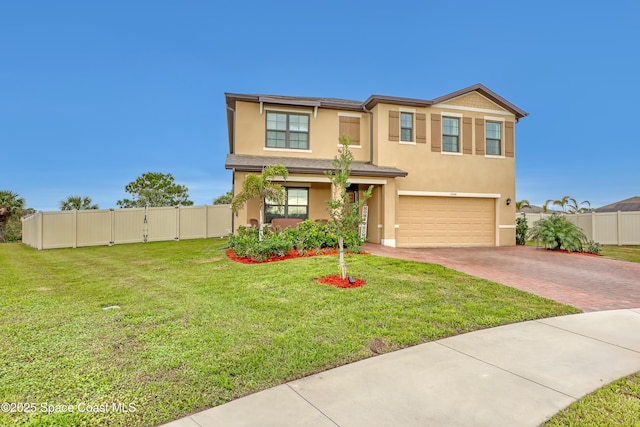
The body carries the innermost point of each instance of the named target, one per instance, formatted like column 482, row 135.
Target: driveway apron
column 590, row 283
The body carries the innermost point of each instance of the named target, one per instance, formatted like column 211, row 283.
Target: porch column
column 389, row 198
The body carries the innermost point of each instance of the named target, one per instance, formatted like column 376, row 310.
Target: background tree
column 570, row 204
column 225, row 199
column 261, row 187
column 344, row 213
column 11, row 207
column 78, row 203
column 155, row 189
column 522, row 204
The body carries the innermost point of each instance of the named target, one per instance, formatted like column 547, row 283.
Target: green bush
column 556, row 232
column 309, row 235
column 244, row 240
column 593, row 247
column 522, row 228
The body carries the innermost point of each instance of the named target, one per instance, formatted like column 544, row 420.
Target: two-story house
column 443, row 170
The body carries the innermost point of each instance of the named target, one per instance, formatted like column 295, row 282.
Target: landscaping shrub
column 309, row 235
column 522, row 228
column 593, row 247
column 556, row 232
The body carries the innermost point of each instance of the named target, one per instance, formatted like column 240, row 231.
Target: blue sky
column 93, row 94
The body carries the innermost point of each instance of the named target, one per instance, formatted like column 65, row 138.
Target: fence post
column 177, row 223
column 113, row 227
column 41, row 234
column 593, row 226
column 75, row 228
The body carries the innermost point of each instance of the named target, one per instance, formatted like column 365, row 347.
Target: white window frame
column 494, row 119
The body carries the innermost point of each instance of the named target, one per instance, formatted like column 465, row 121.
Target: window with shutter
column 350, row 126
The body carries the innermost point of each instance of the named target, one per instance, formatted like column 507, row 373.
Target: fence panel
column 629, row 228
column 128, row 225
column 58, row 230
column 192, row 222
column 606, row 228
column 163, row 224
column 70, row 229
column 219, row 220
column 93, row 228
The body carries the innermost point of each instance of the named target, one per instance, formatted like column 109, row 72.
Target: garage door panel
column 446, row 221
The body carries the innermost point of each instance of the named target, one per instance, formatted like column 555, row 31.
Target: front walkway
column 586, row 282
column 513, row 375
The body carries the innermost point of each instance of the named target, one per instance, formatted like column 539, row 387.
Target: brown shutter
column 394, row 125
column 436, row 132
column 509, row 145
column 350, row 126
column 467, row 135
column 480, row 135
column 421, row 128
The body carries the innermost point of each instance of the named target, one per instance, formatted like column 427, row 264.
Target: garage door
column 446, row 221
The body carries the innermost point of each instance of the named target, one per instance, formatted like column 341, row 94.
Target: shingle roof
column 627, row 205
column 248, row 163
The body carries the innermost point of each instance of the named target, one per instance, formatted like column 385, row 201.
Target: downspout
column 233, row 171
column 370, row 133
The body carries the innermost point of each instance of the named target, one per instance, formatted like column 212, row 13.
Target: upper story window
column 493, row 138
column 451, row 134
column 406, row 127
column 287, row 130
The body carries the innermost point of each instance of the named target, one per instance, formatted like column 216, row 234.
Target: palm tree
column 261, row 187
column 522, row 204
column 576, row 207
column 11, row 205
column 77, row 203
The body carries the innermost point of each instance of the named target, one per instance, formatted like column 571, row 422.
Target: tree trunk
column 343, row 265
column 261, row 226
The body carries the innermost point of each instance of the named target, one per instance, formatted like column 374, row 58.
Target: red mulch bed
column 292, row 254
column 339, row 282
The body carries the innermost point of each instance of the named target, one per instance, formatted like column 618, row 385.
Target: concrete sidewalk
column 513, row 375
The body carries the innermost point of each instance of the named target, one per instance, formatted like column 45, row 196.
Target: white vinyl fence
column 607, row 228
column 72, row 229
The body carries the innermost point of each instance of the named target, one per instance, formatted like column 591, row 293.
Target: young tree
column 11, row 206
column 261, row 187
column 155, row 189
column 78, row 203
column 225, row 199
column 344, row 213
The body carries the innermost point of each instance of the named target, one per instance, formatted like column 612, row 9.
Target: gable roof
column 630, row 204
column 248, row 163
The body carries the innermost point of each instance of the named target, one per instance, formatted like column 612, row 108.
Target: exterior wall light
column 508, row 201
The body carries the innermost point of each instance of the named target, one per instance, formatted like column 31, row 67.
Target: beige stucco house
column 443, row 170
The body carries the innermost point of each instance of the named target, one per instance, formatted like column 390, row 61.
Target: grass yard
column 617, row 404
column 623, row 253
column 195, row 330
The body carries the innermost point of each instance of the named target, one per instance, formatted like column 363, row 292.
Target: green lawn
column 624, row 253
column 194, row 330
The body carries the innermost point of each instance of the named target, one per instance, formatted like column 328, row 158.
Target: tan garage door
column 446, row 221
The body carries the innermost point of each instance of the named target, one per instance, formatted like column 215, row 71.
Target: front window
column 493, row 136
column 406, row 127
column 296, row 205
column 451, row 134
column 286, row 130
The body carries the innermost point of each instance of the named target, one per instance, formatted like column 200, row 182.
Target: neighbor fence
column 607, row 228
column 72, row 229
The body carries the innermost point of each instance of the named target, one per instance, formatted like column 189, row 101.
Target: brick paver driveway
column 587, row 282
